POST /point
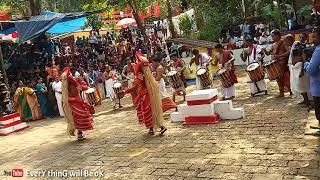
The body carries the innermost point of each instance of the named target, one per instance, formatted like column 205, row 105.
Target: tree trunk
column 140, row 24
column 244, row 8
column 35, row 7
column 281, row 15
column 293, row 2
column 170, row 15
column 3, row 70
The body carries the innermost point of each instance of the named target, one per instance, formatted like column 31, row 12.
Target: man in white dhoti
column 253, row 57
column 298, row 79
column 201, row 60
column 110, row 78
column 128, row 72
column 57, row 88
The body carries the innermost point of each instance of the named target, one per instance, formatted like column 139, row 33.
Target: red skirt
column 143, row 107
column 168, row 104
column 81, row 114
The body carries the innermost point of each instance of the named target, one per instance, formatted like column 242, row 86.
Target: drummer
column 280, row 53
column 128, row 73
column 226, row 60
column 179, row 65
column 253, row 54
column 201, row 60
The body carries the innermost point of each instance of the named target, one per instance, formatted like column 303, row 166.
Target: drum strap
column 254, row 53
column 254, row 49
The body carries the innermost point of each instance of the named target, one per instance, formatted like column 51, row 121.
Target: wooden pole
column 3, row 70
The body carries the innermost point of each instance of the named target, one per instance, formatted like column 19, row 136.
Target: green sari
column 27, row 115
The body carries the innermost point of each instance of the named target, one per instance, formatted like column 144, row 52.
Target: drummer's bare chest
column 278, row 48
column 129, row 69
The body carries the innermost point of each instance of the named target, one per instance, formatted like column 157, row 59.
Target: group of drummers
column 253, row 55
column 257, row 69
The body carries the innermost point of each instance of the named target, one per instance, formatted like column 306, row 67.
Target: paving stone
column 268, row 143
column 267, row 177
column 225, row 168
column 164, row 172
column 254, row 169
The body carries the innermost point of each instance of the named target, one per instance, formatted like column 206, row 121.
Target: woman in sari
column 52, row 98
column 77, row 111
column 42, row 92
column 21, row 104
column 147, row 100
column 34, row 105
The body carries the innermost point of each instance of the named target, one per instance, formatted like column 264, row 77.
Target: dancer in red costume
column 147, row 99
column 77, row 111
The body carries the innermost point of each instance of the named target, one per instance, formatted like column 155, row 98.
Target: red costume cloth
column 226, row 56
column 167, row 104
column 142, row 98
column 80, row 109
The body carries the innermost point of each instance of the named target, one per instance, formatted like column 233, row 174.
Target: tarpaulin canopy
column 36, row 26
column 68, row 26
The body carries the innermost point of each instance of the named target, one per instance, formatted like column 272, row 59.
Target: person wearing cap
column 252, row 54
column 280, row 53
column 179, row 65
column 313, row 69
column 201, row 60
column 225, row 60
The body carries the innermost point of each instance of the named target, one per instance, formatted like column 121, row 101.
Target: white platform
column 201, row 95
column 233, row 114
column 197, row 110
column 13, row 128
column 223, row 106
column 177, row 117
column 9, row 121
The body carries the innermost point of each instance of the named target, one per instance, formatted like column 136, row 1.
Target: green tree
column 136, row 6
column 213, row 15
column 170, row 16
column 185, row 25
column 94, row 21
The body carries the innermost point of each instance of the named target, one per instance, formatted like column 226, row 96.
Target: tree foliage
column 94, row 21
column 214, row 15
column 185, row 25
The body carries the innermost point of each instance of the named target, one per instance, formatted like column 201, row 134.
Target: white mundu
column 57, row 87
column 259, row 87
column 297, row 84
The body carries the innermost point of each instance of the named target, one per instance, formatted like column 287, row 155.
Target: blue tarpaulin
column 8, row 31
column 68, row 26
column 37, row 25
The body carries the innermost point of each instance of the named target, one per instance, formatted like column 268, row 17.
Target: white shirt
column 57, row 87
column 246, row 28
column 204, row 57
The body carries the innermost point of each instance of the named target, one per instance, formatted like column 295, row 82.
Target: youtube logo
column 17, row 173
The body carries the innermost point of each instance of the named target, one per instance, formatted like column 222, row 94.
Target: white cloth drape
column 57, row 86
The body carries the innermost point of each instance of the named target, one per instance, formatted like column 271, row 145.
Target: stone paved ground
column 269, row 144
